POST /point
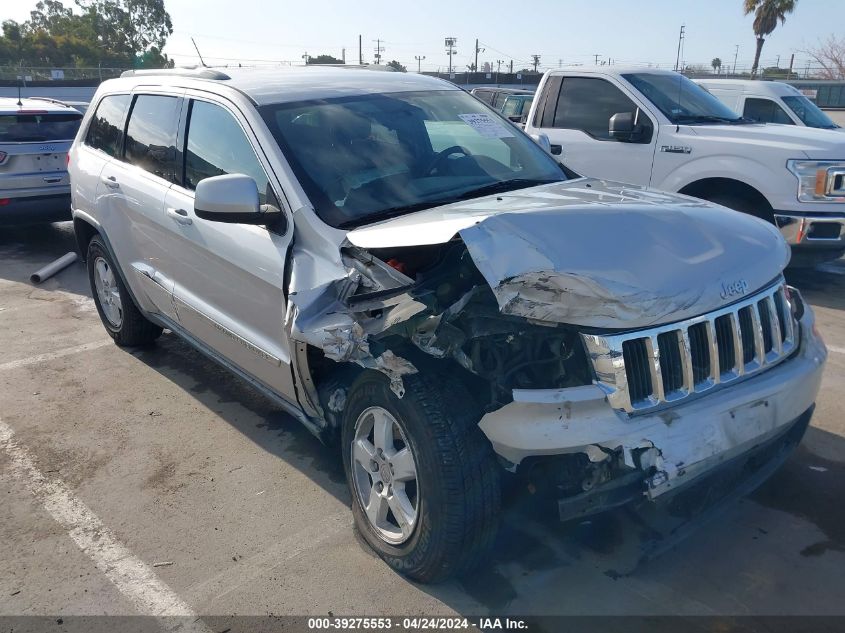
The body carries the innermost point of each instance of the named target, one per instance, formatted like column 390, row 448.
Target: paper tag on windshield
column 486, row 125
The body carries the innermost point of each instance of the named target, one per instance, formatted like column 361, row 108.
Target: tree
column 829, row 54
column 323, row 59
column 122, row 33
column 399, row 68
column 767, row 13
column 716, row 63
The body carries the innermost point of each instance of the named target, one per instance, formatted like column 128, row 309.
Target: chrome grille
column 647, row 368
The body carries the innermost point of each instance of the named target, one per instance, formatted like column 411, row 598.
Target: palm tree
column 716, row 64
column 766, row 16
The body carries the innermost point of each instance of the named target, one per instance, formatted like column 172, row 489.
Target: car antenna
column 204, row 65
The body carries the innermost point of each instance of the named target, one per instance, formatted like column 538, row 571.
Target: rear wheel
column 424, row 480
column 121, row 318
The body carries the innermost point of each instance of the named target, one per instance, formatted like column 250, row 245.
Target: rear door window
column 765, row 111
column 106, row 129
column 37, row 127
column 151, row 135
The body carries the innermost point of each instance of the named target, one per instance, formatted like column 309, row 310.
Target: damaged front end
column 582, row 333
column 397, row 308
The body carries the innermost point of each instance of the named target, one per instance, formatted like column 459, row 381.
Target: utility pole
column 791, row 62
column 680, row 40
column 306, row 57
column 777, row 63
column 419, row 59
column 477, row 51
column 536, row 61
column 450, row 43
column 736, row 54
column 343, row 55
column 510, row 68
column 498, row 68
column 379, row 50
column 597, row 55
column 360, row 52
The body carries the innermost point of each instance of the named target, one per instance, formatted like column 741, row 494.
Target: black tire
column 134, row 329
column 742, row 204
column 459, row 493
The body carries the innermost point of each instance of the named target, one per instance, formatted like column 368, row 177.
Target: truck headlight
column 819, row 180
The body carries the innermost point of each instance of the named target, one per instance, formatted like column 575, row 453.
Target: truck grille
column 648, row 368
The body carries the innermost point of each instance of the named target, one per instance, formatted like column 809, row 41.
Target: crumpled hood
column 816, row 143
column 600, row 254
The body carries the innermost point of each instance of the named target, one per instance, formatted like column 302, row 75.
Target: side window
column 106, row 129
column 217, row 145
column 510, row 107
column 587, row 104
column 765, row 111
column 151, row 135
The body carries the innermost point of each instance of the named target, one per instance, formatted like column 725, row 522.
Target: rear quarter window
column 38, row 127
column 105, row 131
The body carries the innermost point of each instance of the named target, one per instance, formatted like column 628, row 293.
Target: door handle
column 557, row 150
column 110, row 182
column 50, row 180
column 180, row 216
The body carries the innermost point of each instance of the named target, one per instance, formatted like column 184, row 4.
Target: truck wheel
column 424, row 480
column 123, row 321
column 741, row 204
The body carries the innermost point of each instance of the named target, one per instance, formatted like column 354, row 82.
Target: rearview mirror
column 230, row 198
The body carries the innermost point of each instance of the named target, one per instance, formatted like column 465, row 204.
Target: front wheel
column 424, row 480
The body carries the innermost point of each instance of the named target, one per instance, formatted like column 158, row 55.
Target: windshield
column 809, row 112
column 365, row 158
column 34, row 128
column 681, row 100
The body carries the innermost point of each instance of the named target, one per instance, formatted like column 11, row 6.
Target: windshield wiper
column 503, row 186
column 392, row 212
column 708, row 118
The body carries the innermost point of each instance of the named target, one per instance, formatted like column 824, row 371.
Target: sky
column 562, row 32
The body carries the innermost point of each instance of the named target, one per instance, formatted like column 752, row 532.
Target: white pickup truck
column 659, row 129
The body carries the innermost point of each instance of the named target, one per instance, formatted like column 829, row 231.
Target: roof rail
column 196, row 72
column 49, row 100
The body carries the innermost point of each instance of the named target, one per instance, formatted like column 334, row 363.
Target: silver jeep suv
column 411, row 276
column 35, row 136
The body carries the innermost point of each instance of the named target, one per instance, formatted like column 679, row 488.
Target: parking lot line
column 132, row 577
column 836, row 350
column 68, row 351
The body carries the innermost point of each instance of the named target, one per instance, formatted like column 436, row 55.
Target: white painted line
column 132, row 577
column 836, row 350
column 68, row 351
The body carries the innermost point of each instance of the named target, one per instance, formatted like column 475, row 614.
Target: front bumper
column 35, row 209
column 680, row 444
column 812, row 231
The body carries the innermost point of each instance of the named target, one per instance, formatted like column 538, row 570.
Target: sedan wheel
column 108, row 292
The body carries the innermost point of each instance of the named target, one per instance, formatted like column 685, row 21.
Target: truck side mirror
column 627, row 128
column 622, row 127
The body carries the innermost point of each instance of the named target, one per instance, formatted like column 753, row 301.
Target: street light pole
column 736, row 54
column 419, row 59
column 680, row 39
column 449, row 43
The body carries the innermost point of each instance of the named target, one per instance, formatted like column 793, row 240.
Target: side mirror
column 543, row 141
column 626, row 128
column 622, row 126
column 230, row 198
column 515, row 118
